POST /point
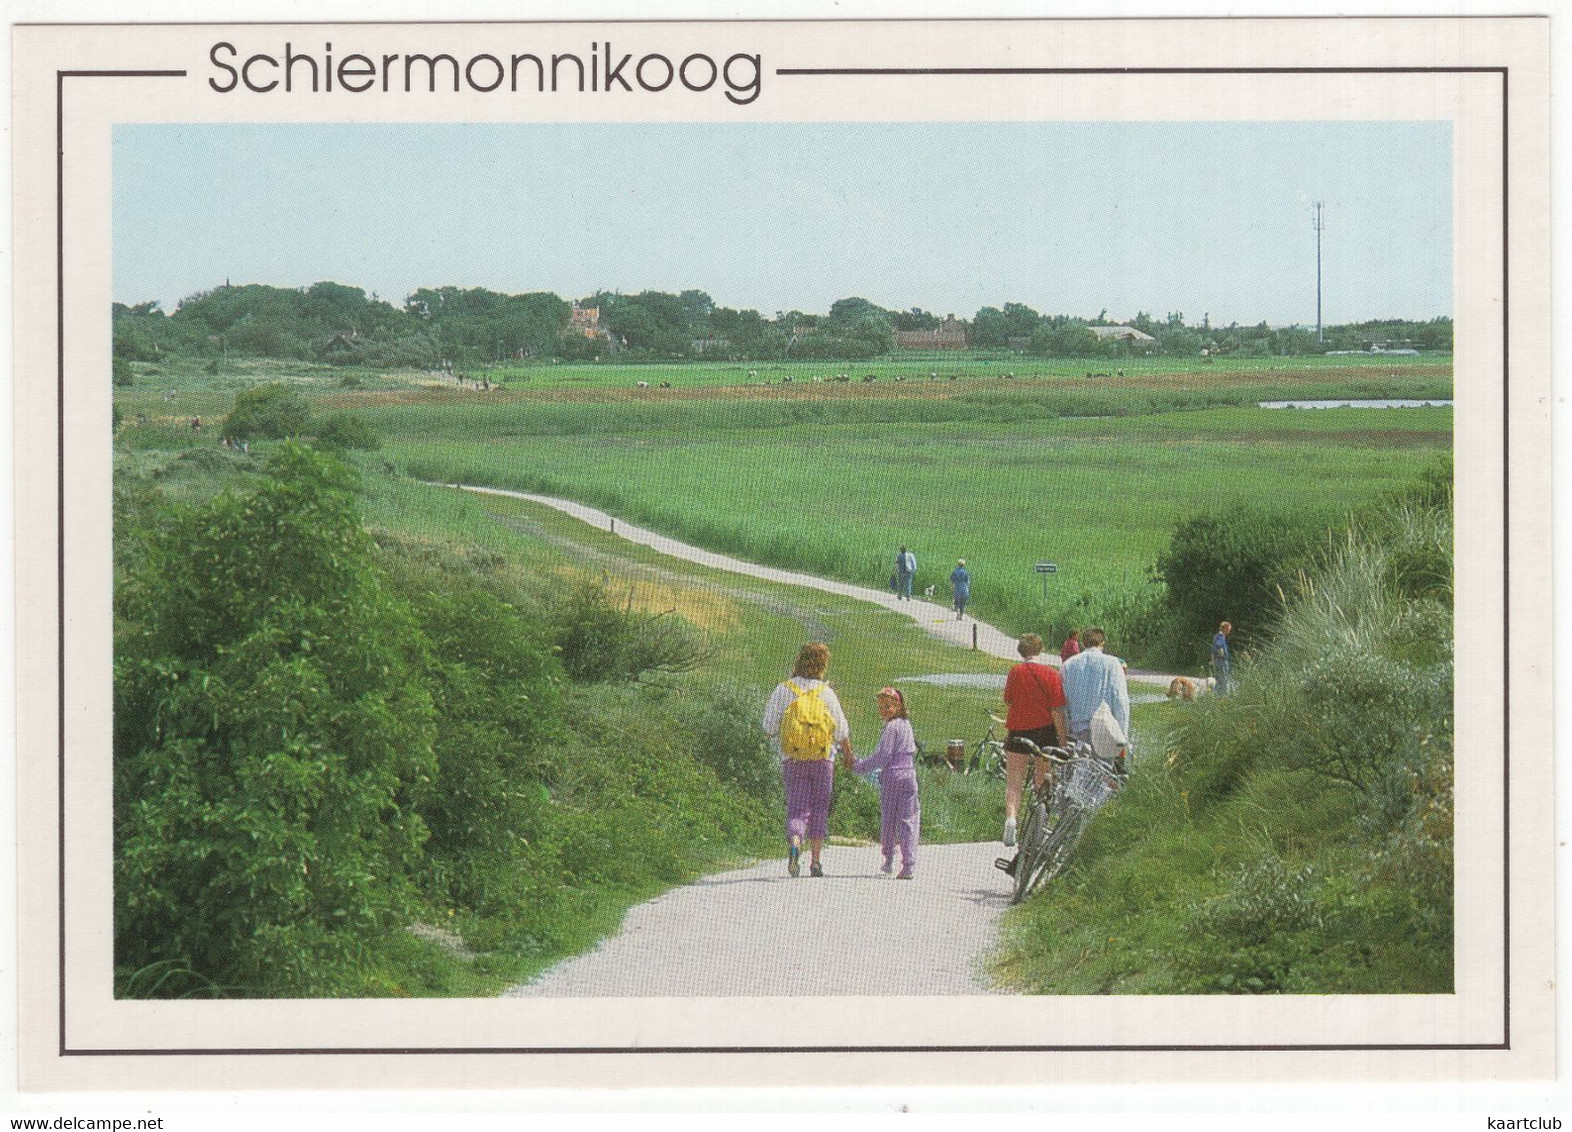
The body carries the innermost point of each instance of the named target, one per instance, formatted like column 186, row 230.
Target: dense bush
column 1232, row 566
column 723, row 720
column 272, row 735
column 345, row 430
column 497, row 705
column 272, row 411
column 321, row 740
column 600, row 642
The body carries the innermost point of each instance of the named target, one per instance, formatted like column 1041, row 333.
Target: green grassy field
column 925, row 367
column 1090, row 474
column 829, row 478
column 1098, row 498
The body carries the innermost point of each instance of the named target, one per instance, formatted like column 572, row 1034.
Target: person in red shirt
column 1036, row 700
column 1071, row 646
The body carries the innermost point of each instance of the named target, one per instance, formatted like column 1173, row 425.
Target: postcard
column 540, row 545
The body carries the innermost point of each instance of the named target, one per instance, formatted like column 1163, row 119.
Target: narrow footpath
column 937, row 620
column 756, row 932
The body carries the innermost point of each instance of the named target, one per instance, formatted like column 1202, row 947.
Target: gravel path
column 756, row 932
column 939, row 620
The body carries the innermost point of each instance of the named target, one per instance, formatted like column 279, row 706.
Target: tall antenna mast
column 1320, row 226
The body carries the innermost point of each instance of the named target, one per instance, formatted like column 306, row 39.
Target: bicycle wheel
column 1033, row 840
column 992, row 759
column 1056, row 854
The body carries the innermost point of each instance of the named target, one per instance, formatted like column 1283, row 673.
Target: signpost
column 1046, row 568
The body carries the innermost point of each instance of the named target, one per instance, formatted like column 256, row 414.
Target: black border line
column 897, row 71
column 1506, row 576
column 1503, row 1045
column 60, row 480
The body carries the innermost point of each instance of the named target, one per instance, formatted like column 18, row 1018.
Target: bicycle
column 988, row 755
column 1058, row 809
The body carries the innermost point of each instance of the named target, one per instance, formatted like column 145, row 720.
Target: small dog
column 1184, row 688
column 928, row 593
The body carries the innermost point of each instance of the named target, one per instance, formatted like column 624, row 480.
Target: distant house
column 341, row 343
column 1120, row 334
column 586, row 321
column 951, row 335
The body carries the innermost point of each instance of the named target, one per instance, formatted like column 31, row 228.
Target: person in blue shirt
column 1092, row 678
column 1220, row 660
column 960, row 587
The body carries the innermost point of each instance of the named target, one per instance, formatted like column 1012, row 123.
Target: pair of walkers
column 804, row 718
column 1053, row 708
column 905, row 573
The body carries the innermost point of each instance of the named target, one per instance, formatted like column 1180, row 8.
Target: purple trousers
column 899, row 813
column 808, row 786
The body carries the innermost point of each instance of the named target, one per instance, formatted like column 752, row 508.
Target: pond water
column 1388, row 403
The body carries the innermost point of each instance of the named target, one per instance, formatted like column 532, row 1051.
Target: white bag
column 1108, row 738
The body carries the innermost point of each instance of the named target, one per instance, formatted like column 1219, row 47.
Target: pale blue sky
column 1073, row 218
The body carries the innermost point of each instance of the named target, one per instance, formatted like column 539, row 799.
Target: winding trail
column 937, row 620
column 755, row 931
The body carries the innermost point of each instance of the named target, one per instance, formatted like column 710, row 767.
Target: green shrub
column 345, row 430
column 723, row 721
column 1232, row 566
column 600, row 642
column 272, row 411
column 497, row 705
column 273, row 734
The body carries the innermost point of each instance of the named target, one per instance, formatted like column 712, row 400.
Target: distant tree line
column 466, row 327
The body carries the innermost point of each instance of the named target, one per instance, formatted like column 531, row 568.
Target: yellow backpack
column 807, row 727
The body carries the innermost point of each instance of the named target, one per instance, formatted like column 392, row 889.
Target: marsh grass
column 1297, row 836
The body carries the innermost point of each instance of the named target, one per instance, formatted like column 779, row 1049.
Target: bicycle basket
column 1088, row 786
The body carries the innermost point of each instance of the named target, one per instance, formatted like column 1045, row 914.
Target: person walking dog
column 905, row 571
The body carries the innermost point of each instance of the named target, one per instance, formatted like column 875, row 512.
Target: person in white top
column 809, row 782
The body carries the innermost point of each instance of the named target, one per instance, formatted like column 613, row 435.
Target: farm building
column 949, row 336
column 586, row 321
column 1120, row 334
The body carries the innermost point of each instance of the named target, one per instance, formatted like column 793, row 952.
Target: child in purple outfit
column 895, row 755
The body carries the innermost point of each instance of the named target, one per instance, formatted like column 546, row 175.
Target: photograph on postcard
column 1038, row 389
column 981, row 559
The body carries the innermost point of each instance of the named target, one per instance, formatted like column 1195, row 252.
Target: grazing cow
column 644, row 385
column 665, row 385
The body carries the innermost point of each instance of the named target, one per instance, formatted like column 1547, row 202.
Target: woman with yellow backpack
column 804, row 718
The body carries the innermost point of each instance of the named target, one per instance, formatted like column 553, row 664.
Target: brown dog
column 1181, row 688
